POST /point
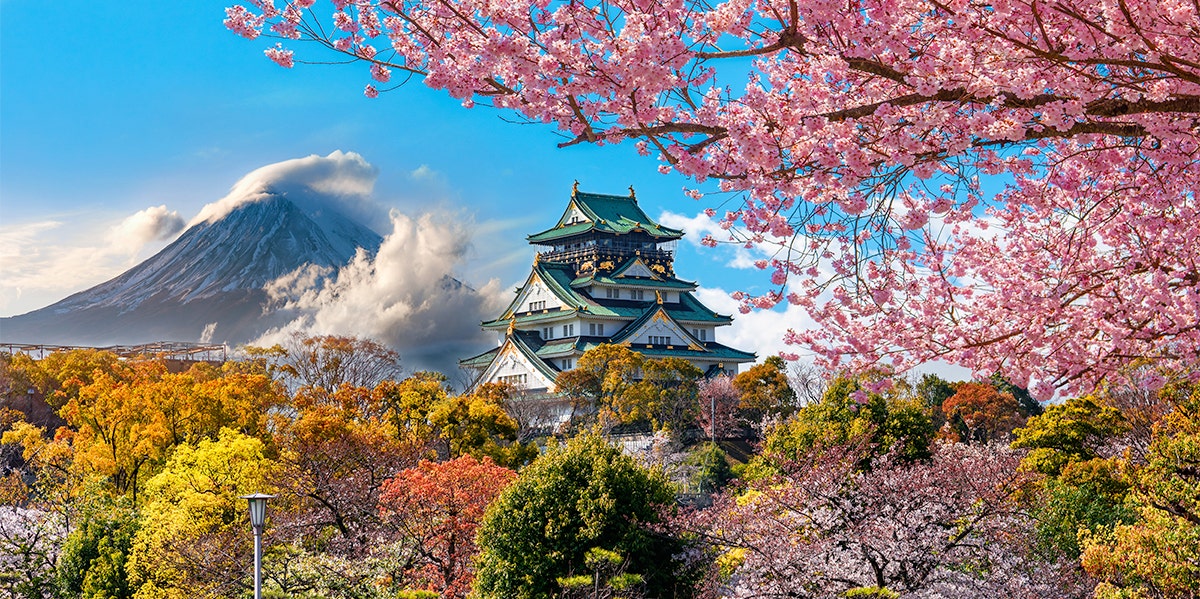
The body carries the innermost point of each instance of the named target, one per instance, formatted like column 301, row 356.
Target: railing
column 602, row 253
column 171, row 350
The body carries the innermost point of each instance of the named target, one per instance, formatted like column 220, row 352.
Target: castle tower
column 603, row 274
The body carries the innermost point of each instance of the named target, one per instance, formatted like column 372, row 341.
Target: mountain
column 207, row 285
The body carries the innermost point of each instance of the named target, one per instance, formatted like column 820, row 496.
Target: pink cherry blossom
column 280, row 56
column 1009, row 186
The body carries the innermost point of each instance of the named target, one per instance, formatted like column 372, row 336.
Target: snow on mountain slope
column 213, row 273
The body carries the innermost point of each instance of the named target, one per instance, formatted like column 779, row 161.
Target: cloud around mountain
column 405, row 296
column 343, row 181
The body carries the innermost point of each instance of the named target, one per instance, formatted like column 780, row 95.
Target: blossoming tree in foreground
column 1009, row 185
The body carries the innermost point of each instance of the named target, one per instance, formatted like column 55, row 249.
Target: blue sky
column 107, row 109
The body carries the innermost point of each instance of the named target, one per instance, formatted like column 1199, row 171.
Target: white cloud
column 43, row 261
column 155, row 223
column 345, row 179
column 759, row 331
column 404, row 296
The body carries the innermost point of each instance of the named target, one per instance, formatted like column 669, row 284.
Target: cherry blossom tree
column 949, row 527
column 1002, row 184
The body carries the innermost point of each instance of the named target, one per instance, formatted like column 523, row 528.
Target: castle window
column 547, row 332
column 568, row 330
column 538, row 305
column 595, row 329
column 515, row 379
column 611, row 293
column 568, row 364
column 659, row 340
column 637, row 294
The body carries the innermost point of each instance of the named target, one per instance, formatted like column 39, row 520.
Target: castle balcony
column 601, row 253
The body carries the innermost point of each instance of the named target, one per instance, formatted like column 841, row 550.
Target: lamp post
column 258, row 517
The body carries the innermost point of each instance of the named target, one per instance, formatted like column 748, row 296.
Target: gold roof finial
column 632, row 193
column 512, row 326
column 659, row 294
column 575, row 188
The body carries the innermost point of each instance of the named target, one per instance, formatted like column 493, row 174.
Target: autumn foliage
column 435, row 508
column 395, row 490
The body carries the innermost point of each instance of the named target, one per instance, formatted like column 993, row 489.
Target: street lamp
column 258, row 517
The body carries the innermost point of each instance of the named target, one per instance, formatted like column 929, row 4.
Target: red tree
column 435, row 509
column 984, row 412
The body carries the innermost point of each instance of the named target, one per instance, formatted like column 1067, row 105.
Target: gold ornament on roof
column 658, row 294
column 632, row 194
column 575, row 188
column 658, row 268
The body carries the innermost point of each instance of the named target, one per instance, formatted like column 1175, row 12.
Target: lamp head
column 258, row 509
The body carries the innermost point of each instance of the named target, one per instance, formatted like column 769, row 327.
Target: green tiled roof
column 558, row 277
column 671, row 283
column 714, row 351
column 616, row 215
column 528, row 344
column 481, row 361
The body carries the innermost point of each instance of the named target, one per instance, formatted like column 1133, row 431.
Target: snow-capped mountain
column 206, row 285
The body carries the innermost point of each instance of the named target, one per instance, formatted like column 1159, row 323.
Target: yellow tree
column 119, row 425
column 193, row 539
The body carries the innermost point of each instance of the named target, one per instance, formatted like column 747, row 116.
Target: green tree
column 602, row 384
column 1159, row 554
column 1068, row 432
column 764, row 391
column 572, row 499
column 670, row 392
column 932, row 390
column 93, row 558
column 476, row 424
column 193, row 539
column 888, row 421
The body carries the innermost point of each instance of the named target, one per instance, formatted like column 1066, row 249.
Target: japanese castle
column 604, row 274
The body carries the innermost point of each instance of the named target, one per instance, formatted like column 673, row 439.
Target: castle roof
column 559, row 279
column 613, row 215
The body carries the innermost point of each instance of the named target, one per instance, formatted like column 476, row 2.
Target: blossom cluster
column 994, row 183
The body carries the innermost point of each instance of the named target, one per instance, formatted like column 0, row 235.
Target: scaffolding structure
column 168, row 350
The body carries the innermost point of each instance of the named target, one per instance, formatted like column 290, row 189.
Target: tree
column 330, row 361
column 1073, row 431
column 669, row 391
column 435, row 509
column 982, row 412
column 601, row 383
column 848, row 413
column 571, row 499
column 765, row 390
column 30, row 541
column 1158, row 555
column 946, row 527
column 476, row 424
column 192, row 540
column 885, row 153
column 718, row 406
column 94, row 555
